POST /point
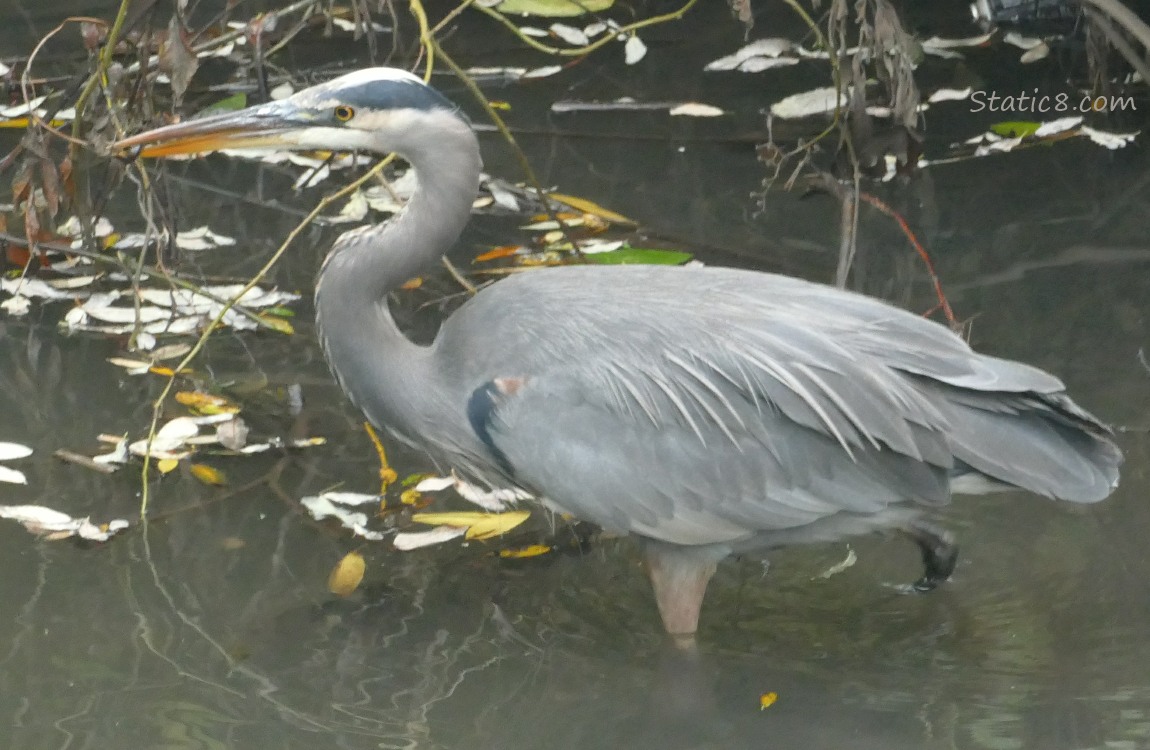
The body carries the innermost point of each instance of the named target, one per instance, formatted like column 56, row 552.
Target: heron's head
column 376, row 109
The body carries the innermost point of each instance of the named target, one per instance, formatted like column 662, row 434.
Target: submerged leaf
column 209, row 475
column 534, row 550
column 347, row 574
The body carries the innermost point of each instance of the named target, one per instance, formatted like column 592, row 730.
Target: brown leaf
column 177, row 59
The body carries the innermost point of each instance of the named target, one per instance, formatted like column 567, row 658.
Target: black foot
column 939, row 555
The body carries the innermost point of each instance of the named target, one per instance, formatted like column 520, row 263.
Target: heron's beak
column 263, row 126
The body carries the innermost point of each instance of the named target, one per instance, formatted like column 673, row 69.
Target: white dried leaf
column 950, row 95
column 283, row 91
column 573, row 36
column 409, row 540
column 1111, row 141
column 532, row 31
column 434, row 484
column 355, row 209
column 351, row 498
column 13, row 451
column 695, row 109
column 145, row 342
column 634, row 50
column 32, row 288
column 817, row 101
column 202, row 238
column 17, row 306
column 72, row 282
column 41, row 520
column 233, row 434
column 12, row 476
column 593, row 246
column 543, row 72
column 1034, row 54
column 935, row 42
column 757, row 48
column 1054, row 127
column 1020, row 41
column 503, row 197
column 758, row 64
column 133, row 366
column 320, row 507
column 493, row 500
column 22, row 110
column 118, row 455
column 594, row 29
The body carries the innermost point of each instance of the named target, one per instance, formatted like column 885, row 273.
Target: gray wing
column 706, row 405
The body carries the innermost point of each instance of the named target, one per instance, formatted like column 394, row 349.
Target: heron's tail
column 1044, row 443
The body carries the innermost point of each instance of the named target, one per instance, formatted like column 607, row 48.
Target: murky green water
column 213, row 628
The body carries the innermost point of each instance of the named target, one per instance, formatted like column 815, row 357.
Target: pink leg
column 680, row 576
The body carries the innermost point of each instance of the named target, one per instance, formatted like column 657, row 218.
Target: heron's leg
column 939, row 553
column 680, row 575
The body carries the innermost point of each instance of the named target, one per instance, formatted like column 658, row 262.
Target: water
column 213, row 628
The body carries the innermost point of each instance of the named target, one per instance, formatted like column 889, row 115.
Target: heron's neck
column 386, row 374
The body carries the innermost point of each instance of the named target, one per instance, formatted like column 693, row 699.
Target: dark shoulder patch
column 481, row 408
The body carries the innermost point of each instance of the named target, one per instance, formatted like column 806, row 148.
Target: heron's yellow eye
column 343, row 113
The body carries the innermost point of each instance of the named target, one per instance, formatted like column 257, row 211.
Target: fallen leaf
column 347, row 574
column 634, row 50
column 166, row 465
column 766, row 700
column 209, row 475
column 409, row 540
column 329, row 505
column 410, row 497
column 534, row 550
column 552, row 8
column 12, row 476
column 13, row 451
column 814, row 102
column 41, row 520
column 573, row 36
column 479, row 525
column 434, row 484
column 590, row 207
column 503, row 251
column 695, row 109
column 643, row 256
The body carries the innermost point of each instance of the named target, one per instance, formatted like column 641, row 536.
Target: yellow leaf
column 478, row 525
column 412, row 283
column 590, row 207
column 410, row 497
column 277, row 324
column 533, row 550
column 209, row 475
column 347, row 574
column 206, row 403
column 766, row 700
column 166, row 464
column 503, row 251
column 500, row 105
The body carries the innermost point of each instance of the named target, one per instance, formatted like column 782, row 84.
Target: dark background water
column 213, row 628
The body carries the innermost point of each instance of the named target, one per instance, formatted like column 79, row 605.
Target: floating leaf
column 12, row 476
column 56, row 525
column 347, row 574
column 503, row 251
column 634, row 50
column 534, row 550
column 478, row 525
column 639, row 255
column 166, row 465
column 277, row 324
column 695, row 109
column 569, row 34
column 552, row 8
column 209, row 475
column 1015, row 129
column 329, row 505
column 590, row 207
column 766, row 700
column 13, row 451
column 409, row 540
column 814, row 102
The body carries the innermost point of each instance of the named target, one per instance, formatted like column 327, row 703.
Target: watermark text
column 1035, row 103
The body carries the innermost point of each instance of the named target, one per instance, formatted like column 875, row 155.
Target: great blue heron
column 704, row 410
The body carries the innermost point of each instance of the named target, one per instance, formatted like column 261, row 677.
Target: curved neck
column 386, row 374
